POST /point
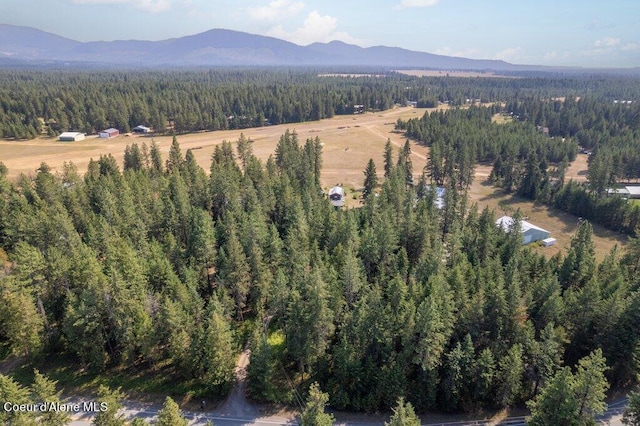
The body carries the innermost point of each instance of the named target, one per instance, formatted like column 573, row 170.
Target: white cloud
column 418, row 3
column 509, row 54
column 315, row 28
column 609, row 45
column 146, row 5
column 631, row 47
column 466, row 53
column 607, row 42
column 276, row 10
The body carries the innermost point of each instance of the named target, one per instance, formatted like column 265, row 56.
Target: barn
column 530, row 232
column 141, row 129
column 71, row 136
column 109, row 133
column 336, row 195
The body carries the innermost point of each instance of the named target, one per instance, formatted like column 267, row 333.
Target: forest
column 158, row 265
column 532, row 163
column 155, row 264
column 47, row 102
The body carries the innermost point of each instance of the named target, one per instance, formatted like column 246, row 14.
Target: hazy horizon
column 572, row 33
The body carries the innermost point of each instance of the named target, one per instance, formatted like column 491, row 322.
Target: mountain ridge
column 221, row 47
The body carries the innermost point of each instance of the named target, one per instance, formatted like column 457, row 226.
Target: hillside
column 220, row 47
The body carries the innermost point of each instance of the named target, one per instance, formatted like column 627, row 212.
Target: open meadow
column 348, row 143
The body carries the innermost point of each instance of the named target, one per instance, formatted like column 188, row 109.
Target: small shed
column 141, row 129
column 109, row 133
column 71, row 136
column 530, row 232
column 336, row 195
column 547, row 242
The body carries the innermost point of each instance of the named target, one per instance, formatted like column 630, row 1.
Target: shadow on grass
column 136, row 379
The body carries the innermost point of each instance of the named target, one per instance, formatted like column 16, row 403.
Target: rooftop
column 506, row 222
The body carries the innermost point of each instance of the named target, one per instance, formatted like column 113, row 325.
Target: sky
column 585, row 33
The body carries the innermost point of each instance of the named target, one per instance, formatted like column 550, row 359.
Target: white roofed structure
column 336, row 195
column 530, row 232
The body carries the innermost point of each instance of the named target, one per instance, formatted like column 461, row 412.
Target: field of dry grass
column 348, row 143
column 438, row 73
column 561, row 225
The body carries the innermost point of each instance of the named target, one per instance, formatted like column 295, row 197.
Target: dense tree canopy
column 157, row 264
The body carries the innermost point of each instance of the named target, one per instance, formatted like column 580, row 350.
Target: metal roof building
column 530, row 232
column 71, row 136
column 109, row 133
column 141, row 129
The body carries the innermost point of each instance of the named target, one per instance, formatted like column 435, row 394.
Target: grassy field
column 561, row 225
column 439, row 73
column 348, row 143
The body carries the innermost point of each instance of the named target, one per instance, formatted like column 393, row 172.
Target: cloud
column 276, row 10
column 418, row 3
column 146, row 5
column 609, row 45
column 315, row 28
column 607, row 42
column 466, row 53
column 631, row 47
column 509, row 54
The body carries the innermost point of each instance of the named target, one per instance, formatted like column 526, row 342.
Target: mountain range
column 219, row 47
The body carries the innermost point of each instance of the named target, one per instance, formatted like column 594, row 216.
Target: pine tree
column 388, row 158
column 313, row 414
column 111, row 416
column 631, row 415
column 556, row 404
column 11, row 392
column 403, row 415
column 175, row 161
column 217, row 350
column 170, row 415
column 591, row 385
column 45, row 391
column 156, row 158
column 370, row 179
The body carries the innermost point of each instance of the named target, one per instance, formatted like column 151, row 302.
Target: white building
column 336, row 195
column 71, row 136
column 530, row 232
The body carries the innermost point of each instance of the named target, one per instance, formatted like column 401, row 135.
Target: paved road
column 613, row 417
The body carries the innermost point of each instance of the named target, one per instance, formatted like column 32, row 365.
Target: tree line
column 531, row 163
column 48, row 102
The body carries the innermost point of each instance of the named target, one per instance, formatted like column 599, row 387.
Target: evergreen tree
column 111, row 416
column 556, row 404
column 11, row 392
column 45, row 391
column 631, row 415
column 313, row 413
column 591, row 385
column 170, row 415
column 388, row 158
column 217, row 350
column 370, row 179
column 403, row 415
column 156, row 158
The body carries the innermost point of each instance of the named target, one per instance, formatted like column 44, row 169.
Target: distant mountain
column 29, row 43
column 220, row 47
